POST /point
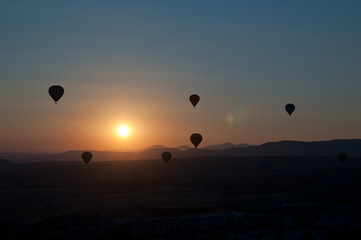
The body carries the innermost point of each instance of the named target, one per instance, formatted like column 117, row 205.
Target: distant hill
column 151, row 147
column 5, row 164
column 184, row 147
column 282, row 148
column 225, row 146
column 296, row 148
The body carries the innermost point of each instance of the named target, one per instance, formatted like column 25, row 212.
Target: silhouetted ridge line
column 225, row 146
column 4, row 162
column 152, row 147
column 6, row 165
column 283, row 148
column 325, row 148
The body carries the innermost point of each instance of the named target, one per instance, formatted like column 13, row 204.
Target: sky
column 136, row 63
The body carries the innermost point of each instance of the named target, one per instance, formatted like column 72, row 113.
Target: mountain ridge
column 282, row 148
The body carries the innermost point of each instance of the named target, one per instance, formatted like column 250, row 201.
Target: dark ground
column 194, row 198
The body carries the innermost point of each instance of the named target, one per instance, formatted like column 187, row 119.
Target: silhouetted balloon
column 166, row 156
column 196, row 139
column 290, row 108
column 86, row 156
column 56, row 92
column 194, row 99
column 342, row 157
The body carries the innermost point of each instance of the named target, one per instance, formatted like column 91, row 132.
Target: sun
column 123, row 131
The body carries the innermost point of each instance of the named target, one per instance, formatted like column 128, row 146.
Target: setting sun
column 123, row 131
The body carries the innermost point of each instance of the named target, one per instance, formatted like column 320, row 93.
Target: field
column 191, row 198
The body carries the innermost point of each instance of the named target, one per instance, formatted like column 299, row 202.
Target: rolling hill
column 283, row 148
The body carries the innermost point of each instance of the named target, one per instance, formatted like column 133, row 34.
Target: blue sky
column 135, row 60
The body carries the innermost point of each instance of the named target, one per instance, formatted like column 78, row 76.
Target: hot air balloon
column 194, row 99
column 342, row 157
column 86, row 156
column 196, row 139
column 166, row 156
column 56, row 92
column 290, row 108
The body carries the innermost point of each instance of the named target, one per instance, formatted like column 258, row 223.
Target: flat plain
column 296, row 192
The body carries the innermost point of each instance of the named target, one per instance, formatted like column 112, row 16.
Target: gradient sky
column 136, row 63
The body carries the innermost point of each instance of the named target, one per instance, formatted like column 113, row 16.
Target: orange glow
column 123, row 131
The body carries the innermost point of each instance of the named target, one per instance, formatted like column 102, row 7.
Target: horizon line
column 162, row 146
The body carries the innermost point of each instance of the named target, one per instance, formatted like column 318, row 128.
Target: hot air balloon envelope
column 194, row 99
column 342, row 157
column 196, row 139
column 166, row 156
column 86, row 156
column 56, row 92
column 290, row 108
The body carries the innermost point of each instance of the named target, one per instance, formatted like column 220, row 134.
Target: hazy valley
column 209, row 197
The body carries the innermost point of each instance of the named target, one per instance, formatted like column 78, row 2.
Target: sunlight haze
column 139, row 61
